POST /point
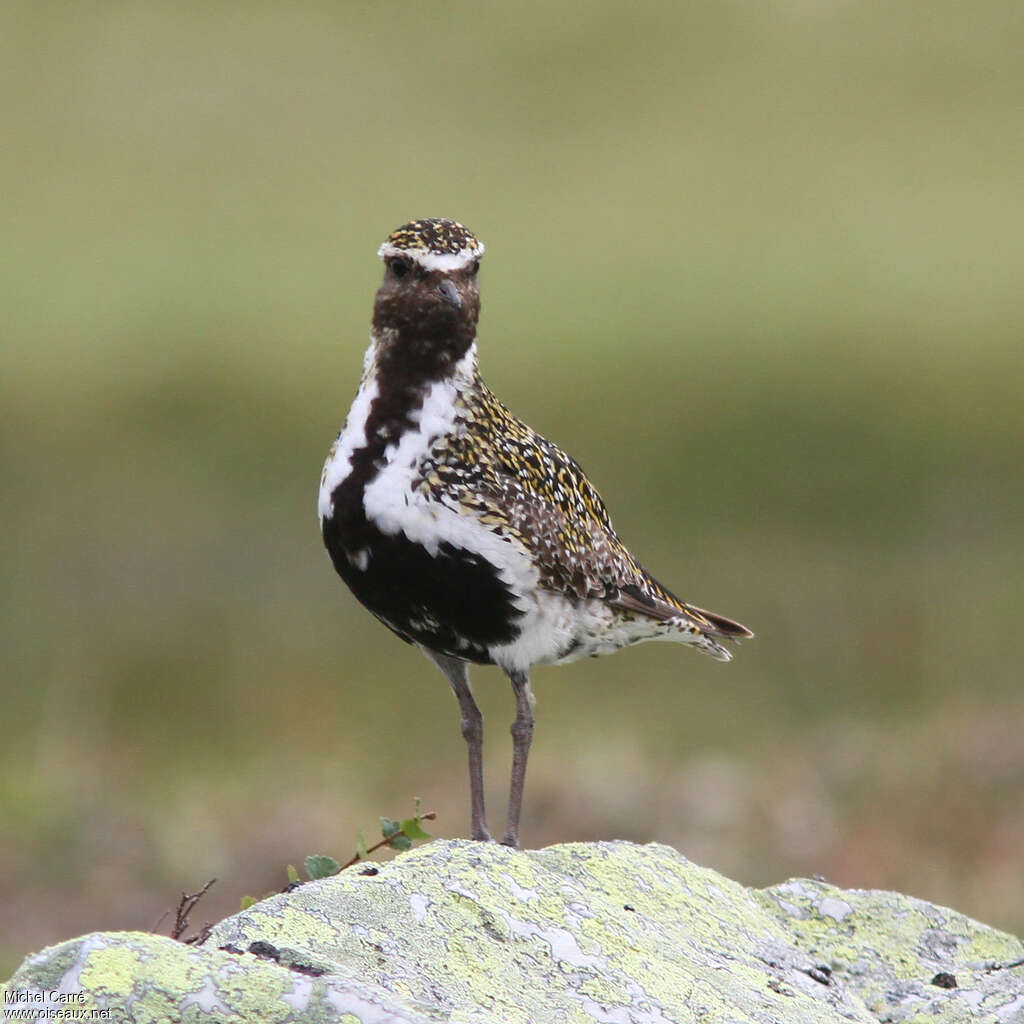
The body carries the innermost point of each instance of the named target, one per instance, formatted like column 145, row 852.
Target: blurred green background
column 757, row 266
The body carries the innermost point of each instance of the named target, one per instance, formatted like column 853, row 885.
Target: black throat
column 418, row 341
column 420, row 338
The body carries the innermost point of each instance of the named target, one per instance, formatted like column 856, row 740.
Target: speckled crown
column 435, row 243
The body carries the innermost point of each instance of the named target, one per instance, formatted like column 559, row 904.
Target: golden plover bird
column 463, row 530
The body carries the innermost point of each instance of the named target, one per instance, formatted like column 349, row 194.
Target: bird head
column 429, row 293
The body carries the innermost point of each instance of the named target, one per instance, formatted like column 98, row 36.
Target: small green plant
column 319, row 865
column 398, row 835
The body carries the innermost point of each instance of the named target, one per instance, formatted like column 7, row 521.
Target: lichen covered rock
column 607, row 932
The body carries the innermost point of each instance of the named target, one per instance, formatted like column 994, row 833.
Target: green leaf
column 388, row 827
column 412, row 828
column 319, row 865
column 293, row 875
column 249, row 901
column 361, row 851
column 400, row 842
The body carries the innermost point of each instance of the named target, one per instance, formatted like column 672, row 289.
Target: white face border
column 445, row 262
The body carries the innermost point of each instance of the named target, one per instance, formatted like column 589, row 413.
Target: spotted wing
column 523, row 486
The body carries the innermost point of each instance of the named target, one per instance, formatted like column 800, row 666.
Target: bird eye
column 473, row 268
column 398, row 266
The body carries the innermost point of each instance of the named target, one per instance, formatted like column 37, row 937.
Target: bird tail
column 718, row 625
column 699, row 628
column 710, row 628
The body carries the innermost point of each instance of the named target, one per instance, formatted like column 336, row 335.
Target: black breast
column 452, row 602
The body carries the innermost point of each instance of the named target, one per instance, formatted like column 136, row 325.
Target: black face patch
column 435, row 235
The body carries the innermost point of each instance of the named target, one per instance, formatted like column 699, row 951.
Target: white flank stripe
column 350, row 440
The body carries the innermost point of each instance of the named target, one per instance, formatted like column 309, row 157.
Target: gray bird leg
column 522, row 733
column 457, row 674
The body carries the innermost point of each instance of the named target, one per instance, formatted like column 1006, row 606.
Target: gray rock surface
column 609, row 932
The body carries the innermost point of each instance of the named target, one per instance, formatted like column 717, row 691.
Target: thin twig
column 428, row 816
column 200, row 936
column 186, row 905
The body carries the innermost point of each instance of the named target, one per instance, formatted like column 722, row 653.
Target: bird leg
column 457, row 674
column 522, row 733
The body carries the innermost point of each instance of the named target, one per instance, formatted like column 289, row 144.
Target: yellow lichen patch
column 111, row 971
column 298, row 929
column 253, row 990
